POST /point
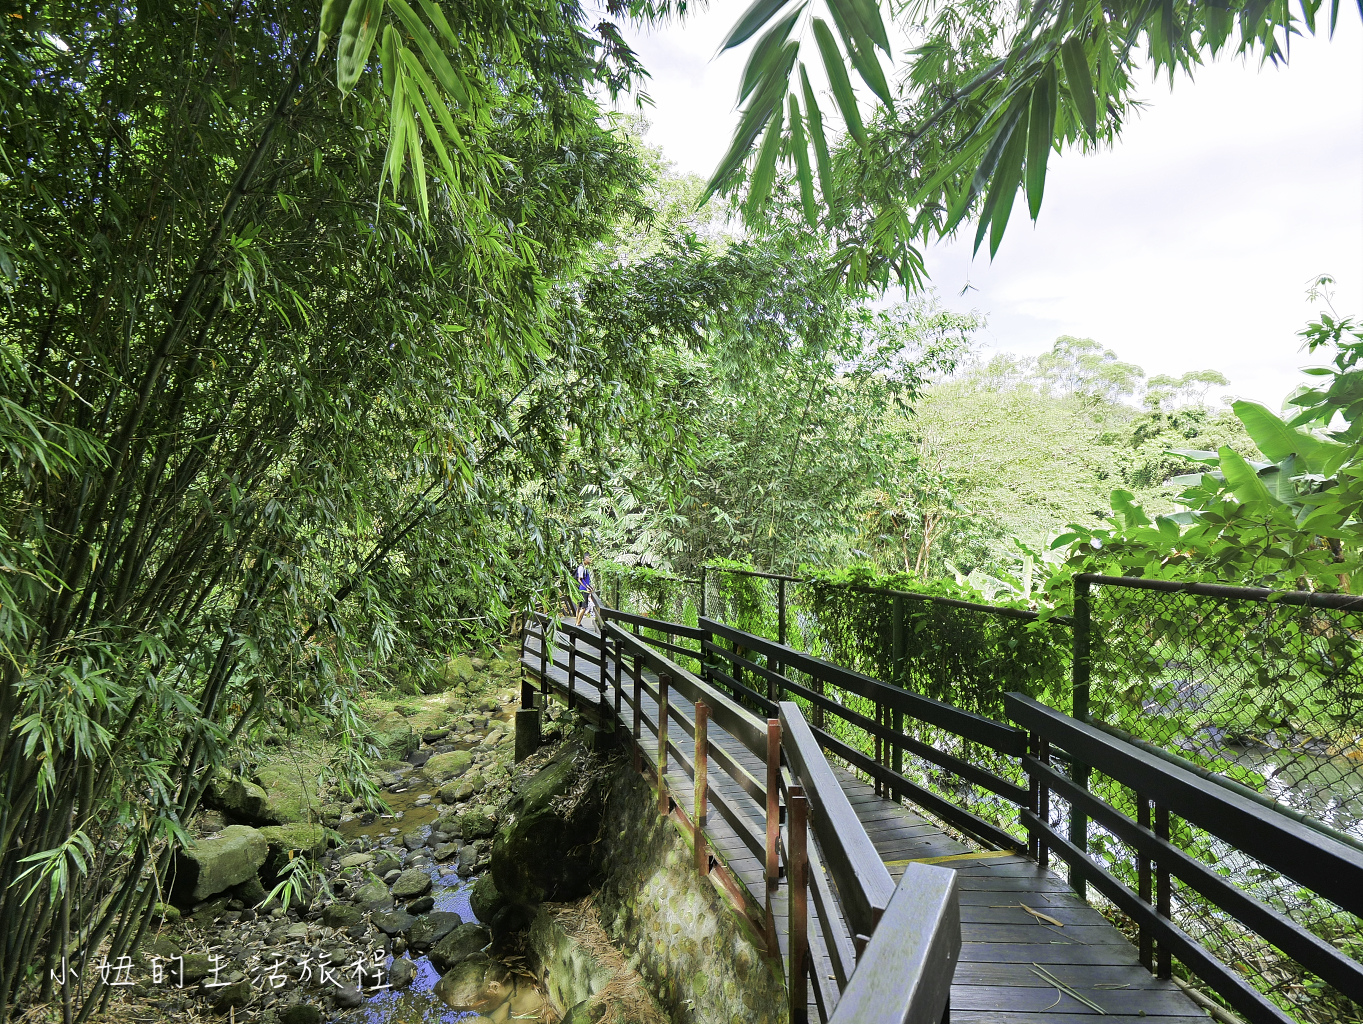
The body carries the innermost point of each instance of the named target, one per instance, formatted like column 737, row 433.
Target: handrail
column 1299, row 852
column 861, row 877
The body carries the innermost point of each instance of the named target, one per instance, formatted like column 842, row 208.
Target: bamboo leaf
column 759, row 187
column 836, row 69
column 868, row 13
column 358, row 32
column 430, row 49
column 821, row 158
column 755, row 117
column 440, row 22
column 1040, row 134
column 1005, row 187
column 860, row 48
column 1080, row 83
column 803, row 173
column 333, row 16
column 767, row 53
column 753, row 19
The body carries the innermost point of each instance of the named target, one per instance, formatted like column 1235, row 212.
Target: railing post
column 781, row 612
column 618, row 654
column 1147, row 943
column 702, row 592
column 572, row 667
column 702, row 748
column 544, row 659
column 1163, row 965
column 635, row 747
column 1083, row 665
column 773, row 801
column 897, row 677
column 663, row 681
column 798, row 881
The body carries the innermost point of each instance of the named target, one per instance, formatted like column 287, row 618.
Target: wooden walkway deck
column 1006, row 951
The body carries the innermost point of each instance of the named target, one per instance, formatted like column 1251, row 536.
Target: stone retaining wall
column 700, row 956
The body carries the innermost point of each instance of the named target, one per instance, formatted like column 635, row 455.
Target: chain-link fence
column 1265, row 690
column 964, row 654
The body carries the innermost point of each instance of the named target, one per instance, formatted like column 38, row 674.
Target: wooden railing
column 743, row 677
column 892, row 949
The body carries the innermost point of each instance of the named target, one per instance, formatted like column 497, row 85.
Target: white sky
column 1187, row 246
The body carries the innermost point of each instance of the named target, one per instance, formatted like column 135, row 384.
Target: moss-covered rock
column 450, row 765
column 394, row 735
column 209, row 866
column 484, row 899
column 544, row 851
column 298, row 838
column 240, row 799
column 460, row 944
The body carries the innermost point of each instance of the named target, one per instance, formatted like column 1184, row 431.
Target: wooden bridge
column 982, row 931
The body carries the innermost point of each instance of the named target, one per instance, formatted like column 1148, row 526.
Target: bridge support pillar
column 527, row 732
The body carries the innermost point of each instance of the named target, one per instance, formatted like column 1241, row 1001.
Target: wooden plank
column 1061, row 952
column 1013, row 913
column 1077, row 976
column 1030, row 999
column 1084, row 935
column 1003, row 1017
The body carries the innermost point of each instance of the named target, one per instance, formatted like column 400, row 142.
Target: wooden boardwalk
column 1006, row 951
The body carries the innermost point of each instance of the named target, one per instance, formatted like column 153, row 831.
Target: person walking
column 586, row 594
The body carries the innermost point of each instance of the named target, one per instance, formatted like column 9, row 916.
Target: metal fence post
column 1083, row 665
column 663, row 682
column 799, row 908
column 773, row 800
column 702, row 848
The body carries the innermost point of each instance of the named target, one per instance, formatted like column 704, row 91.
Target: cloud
column 1188, row 245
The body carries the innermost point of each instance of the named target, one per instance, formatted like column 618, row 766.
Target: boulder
column 372, row 891
column 460, row 668
column 422, row 906
column 233, row 997
column 208, row 867
column 392, row 922
column 461, row 943
column 410, row 884
column 430, row 928
column 485, row 900
column 394, row 736
column 401, row 972
column 544, row 851
column 443, row 767
column 299, row 838
column 239, row 798
column 291, row 794
column 478, row 823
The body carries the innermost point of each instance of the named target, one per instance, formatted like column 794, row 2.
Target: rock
column 301, row 837
column 460, row 668
column 479, row 665
column 431, row 928
column 414, row 840
column 401, row 972
column 473, row 985
column 443, row 767
column 550, row 814
column 165, row 912
column 421, row 906
column 370, row 892
column 485, row 900
column 290, row 793
column 212, row 865
column 250, row 892
column 355, row 860
column 233, row 996
column 478, row 823
column 302, row 1013
column 461, row 943
column 196, row 968
column 477, row 783
column 387, row 862
column 467, row 862
column 392, row 922
column 338, row 915
column 446, row 851
column 412, row 882
column 434, row 735
column 297, row 930
column 417, row 758
column 394, row 736
column 348, row 996
column 239, row 798
column 454, row 792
